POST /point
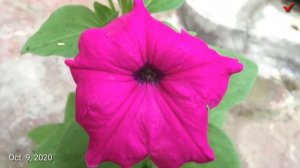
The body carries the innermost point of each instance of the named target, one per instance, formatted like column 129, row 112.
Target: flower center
column 148, row 74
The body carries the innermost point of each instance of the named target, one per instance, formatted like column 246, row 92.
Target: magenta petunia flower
column 142, row 90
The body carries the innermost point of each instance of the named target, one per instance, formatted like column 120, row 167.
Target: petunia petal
column 190, row 62
column 107, row 106
column 129, row 32
column 98, row 52
column 177, row 128
column 208, row 75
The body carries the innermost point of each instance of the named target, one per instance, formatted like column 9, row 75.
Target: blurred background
column 265, row 127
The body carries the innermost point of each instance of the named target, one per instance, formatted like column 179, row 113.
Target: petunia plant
column 147, row 95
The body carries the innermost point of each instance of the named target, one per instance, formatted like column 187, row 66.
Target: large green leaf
column 70, row 109
column 60, row 33
column 48, row 137
column 104, row 13
column 48, row 146
column 239, row 87
column 162, row 5
column 225, row 153
column 71, row 149
column 39, row 134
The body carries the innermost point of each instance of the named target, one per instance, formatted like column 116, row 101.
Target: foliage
column 61, row 31
column 239, row 87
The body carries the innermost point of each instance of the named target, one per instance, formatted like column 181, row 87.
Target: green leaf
column 104, row 13
column 125, row 5
column 48, row 147
column 147, row 163
column 72, row 147
column 70, row 108
column 39, row 134
column 60, row 33
column 239, row 87
column 155, row 6
column 49, row 137
column 225, row 152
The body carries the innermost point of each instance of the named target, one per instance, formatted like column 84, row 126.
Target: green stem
column 122, row 4
column 125, row 5
column 111, row 4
